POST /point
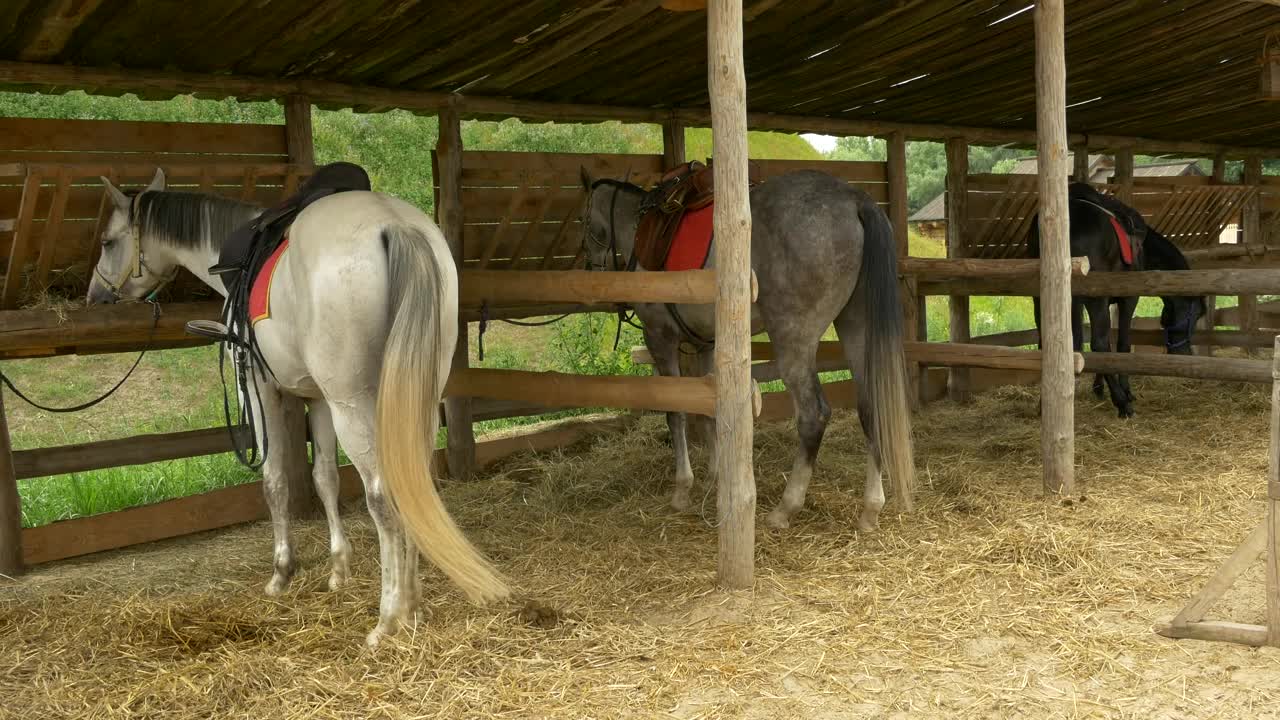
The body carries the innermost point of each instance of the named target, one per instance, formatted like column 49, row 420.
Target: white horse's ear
column 586, row 177
column 157, row 182
column 120, row 199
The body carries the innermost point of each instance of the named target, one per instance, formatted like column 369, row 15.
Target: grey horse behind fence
column 823, row 253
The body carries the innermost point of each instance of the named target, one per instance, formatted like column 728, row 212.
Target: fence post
column 957, row 211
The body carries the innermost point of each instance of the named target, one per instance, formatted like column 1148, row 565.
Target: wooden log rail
column 1251, row 281
column 938, row 269
column 518, row 287
column 1142, row 336
column 1184, row 366
column 24, row 333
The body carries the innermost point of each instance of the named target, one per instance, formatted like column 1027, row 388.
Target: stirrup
column 209, row 329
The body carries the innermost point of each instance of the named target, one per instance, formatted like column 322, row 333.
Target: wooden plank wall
column 522, row 210
column 52, row 200
column 1189, row 210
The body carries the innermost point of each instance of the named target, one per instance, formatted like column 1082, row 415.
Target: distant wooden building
column 931, row 220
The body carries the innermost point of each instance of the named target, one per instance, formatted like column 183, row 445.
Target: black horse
column 1096, row 223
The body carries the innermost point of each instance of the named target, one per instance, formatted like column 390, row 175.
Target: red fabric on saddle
column 1126, row 247
column 260, row 293
column 692, row 242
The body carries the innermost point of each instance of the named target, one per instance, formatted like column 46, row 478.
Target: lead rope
column 155, row 322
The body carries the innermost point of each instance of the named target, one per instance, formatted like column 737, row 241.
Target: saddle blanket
column 1126, row 247
column 260, row 292
column 692, row 242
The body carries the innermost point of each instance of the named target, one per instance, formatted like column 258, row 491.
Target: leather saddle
column 686, row 187
column 260, row 236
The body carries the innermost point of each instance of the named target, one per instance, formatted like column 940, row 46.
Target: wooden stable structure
column 875, row 69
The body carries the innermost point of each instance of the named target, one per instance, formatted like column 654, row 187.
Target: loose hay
column 988, row 602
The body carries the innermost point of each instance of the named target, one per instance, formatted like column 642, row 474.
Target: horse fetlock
column 779, row 518
column 680, row 500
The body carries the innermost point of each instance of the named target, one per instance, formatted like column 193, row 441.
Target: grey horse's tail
column 885, row 373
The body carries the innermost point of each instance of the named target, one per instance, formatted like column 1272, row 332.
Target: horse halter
column 133, row 269
column 617, row 186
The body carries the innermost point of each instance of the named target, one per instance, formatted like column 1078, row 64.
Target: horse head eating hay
column 1116, row 238
column 362, row 324
column 823, row 253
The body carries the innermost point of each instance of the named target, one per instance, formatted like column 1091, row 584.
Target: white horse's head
column 125, row 271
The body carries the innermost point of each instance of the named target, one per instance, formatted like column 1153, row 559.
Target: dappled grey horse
column 823, row 253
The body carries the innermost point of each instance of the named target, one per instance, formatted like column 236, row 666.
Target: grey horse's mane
column 190, row 220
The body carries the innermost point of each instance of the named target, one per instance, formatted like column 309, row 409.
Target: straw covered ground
column 990, row 601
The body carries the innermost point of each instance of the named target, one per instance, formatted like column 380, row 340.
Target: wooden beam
column 981, row 356
column 957, row 197
column 297, row 130
column 673, row 146
column 11, row 562
column 1251, row 227
column 1148, row 283
column 512, row 287
column 896, row 174
column 102, row 324
column 1123, row 175
column 136, row 450
column 736, row 497
column 1057, row 381
column 461, row 439
column 1080, row 162
column 332, row 95
column 562, row 390
column 938, row 269
column 56, row 27
column 1213, row 630
column 1184, row 366
column 1271, row 556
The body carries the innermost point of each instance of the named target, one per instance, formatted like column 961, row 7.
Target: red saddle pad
column 692, row 242
column 260, row 293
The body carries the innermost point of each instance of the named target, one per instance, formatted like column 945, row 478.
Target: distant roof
column 1100, row 169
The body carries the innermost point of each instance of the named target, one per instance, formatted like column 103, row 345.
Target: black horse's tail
column 885, row 374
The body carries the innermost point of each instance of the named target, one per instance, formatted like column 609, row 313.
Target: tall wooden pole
column 896, row 171
column 1209, row 321
column 732, row 218
column 10, row 505
column 303, row 501
column 458, row 417
column 1057, row 377
column 1123, row 175
column 1251, row 227
column 957, row 211
column 1271, row 556
column 673, row 150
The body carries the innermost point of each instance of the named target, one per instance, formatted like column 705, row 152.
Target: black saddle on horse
column 260, row 236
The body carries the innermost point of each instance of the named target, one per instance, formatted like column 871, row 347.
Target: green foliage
column 584, row 345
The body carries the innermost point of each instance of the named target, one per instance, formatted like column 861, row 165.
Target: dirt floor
column 989, row 601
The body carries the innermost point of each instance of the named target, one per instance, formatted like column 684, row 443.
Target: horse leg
column 1077, row 336
column 1128, row 306
column 265, row 404
column 850, row 330
column 796, row 357
column 354, row 423
column 324, row 472
column 666, row 361
column 1100, row 321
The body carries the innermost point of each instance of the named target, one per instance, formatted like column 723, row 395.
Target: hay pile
column 988, row 602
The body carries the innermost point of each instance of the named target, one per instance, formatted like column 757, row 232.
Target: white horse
column 363, row 322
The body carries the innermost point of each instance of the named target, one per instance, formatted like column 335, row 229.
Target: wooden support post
column 297, row 130
column 956, row 204
column 461, row 435
column 1251, row 226
column 1124, row 174
column 736, row 498
column 303, row 501
column 1057, row 381
column 1080, row 162
column 896, row 172
column 673, row 152
column 10, row 504
column 1209, row 321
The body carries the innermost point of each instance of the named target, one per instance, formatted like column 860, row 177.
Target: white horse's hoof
column 276, row 586
column 778, row 519
column 868, row 524
column 681, row 502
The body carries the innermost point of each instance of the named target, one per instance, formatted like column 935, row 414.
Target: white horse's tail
column 414, row 369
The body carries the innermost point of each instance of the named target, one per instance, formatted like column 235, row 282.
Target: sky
column 824, row 143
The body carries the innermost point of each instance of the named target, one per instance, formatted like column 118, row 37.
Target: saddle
column 682, row 189
column 1129, row 225
column 260, row 236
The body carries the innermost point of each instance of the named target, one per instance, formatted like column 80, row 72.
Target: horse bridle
column 617, row 186
column 133, row 269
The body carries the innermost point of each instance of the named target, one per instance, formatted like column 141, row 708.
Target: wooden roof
column 1175, row 69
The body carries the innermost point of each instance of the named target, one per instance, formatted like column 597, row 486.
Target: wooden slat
column 141, row 136
column 1232, row 568
column 1239, row 633
column 552, row 389
column 137, row 450
column 581, row 286
column 49, row 233
column 22, row 241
